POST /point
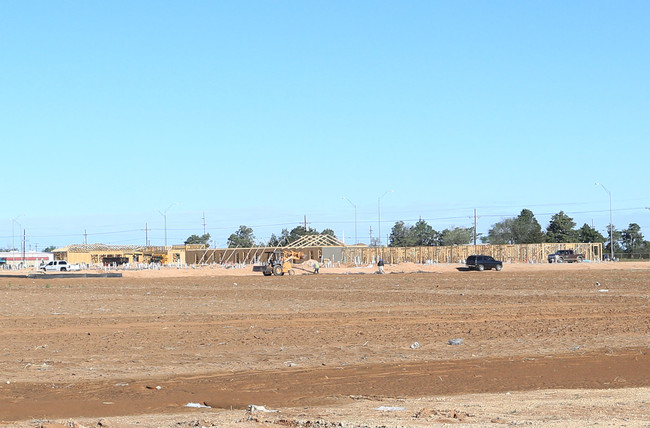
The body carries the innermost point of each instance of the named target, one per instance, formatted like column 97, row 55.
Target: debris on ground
column 255, row 408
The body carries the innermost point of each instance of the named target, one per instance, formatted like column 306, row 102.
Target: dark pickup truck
column 568, row 256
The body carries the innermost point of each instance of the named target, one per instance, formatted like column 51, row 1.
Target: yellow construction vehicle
column 279, row 262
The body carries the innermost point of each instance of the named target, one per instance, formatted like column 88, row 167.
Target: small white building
column 28, row 259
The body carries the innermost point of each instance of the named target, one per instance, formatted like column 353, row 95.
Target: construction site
column 322, row 248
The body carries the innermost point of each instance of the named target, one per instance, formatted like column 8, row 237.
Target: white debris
column 389, row 409
column 255, row 408
column 455, row 341
column 198, row 406
column 603, row 291
column 415, row 345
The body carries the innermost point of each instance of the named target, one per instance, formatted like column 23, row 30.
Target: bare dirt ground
column 563, row 345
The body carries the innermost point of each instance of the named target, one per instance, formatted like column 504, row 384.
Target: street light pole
column 13, row 241
column 164, row 214
column 356, row 240
column 379, row 214
column 611, row 226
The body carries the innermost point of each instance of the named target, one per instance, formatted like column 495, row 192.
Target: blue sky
column 261, row 113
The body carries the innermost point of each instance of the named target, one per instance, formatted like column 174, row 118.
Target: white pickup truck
column 60, row 266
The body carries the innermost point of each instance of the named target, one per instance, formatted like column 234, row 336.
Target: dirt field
column 563, row 345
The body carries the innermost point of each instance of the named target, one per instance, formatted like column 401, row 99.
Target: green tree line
column 522, row 229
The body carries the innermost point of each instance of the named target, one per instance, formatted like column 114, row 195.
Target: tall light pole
column 356, row 240
column 13, row 222
column 379, row 214
column 611, row 230
column 164, row 214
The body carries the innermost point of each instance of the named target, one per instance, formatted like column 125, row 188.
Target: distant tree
column 588, row 234
column 242, row 238
column 617, row 237
column 274, row 241
column 561, row 229
column 300, row 231
column 424, row 235
column 632, row 239
column 49, row 249
column 401, row 236
column 526, row 229
column 457, row 236
column 195, row 239
column 329, row 232
column 501, row 233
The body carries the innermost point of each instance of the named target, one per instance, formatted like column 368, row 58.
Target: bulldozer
column 279, row 262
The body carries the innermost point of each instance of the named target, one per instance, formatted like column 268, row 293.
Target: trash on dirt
column 389, row 408
column 289, row 364
column 415, row 345
column 154, row 387
column 455, row 342
column 198, row 406
column 255, row 408
column 122, row 384
column 603, row 291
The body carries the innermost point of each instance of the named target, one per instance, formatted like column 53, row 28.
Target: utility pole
column 203, row 222
column 611, row 225
column 475, row 227
column 370, row 235
column 379, row 214
column 356, row 239
column 85, row 237
column 164, row 214
column 24, row 245
column 146, row 235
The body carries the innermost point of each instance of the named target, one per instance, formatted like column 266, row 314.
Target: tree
column 526, row 229
column 632, row 239
column 501, row 233
column 242, row 238
column 401, row 236
column 457, row 236
column 424, row 235
column 329, row 232
column 561, row 229
column 300, row 231
column 616, row 238
column 588, row 234
column 195, row 239
column 49, row 249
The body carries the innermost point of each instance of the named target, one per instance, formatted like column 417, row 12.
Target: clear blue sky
column 259, row 113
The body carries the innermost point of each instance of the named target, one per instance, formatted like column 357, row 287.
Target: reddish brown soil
column 135, row 350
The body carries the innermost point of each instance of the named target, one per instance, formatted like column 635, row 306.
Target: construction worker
column 380, row 265
column 316, row 267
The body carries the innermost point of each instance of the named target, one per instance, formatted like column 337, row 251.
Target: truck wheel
column 480, row 267
column 277, row 271
column 579, row 260
column 63, row 269
column 559, row 260
column 498, row 267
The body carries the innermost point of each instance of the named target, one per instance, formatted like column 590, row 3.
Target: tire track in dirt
column 623, row 368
